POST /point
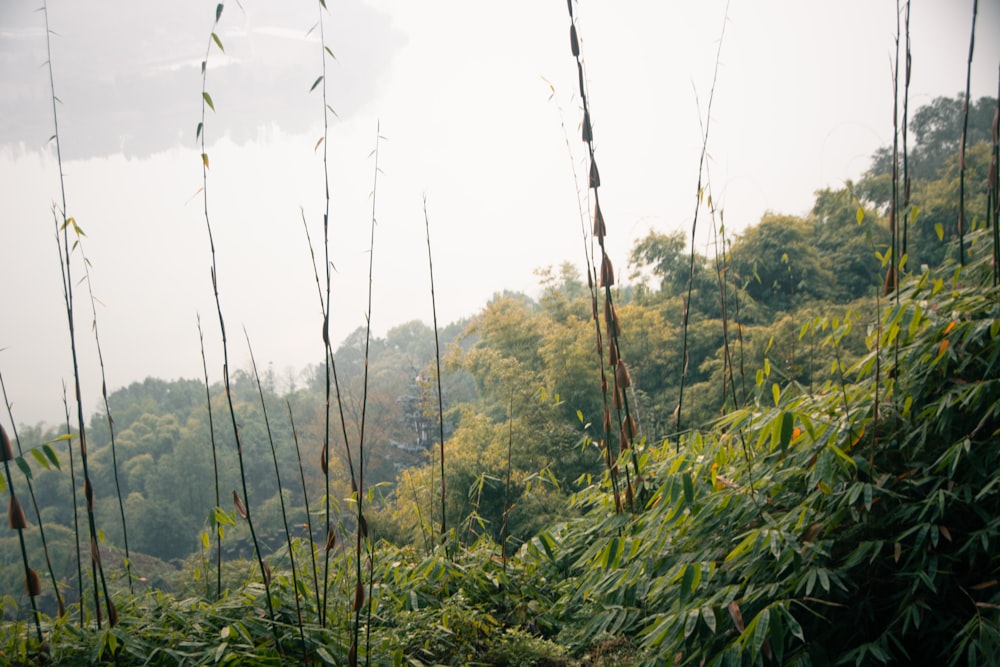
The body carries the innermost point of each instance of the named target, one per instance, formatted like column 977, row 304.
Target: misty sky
column 471, row 98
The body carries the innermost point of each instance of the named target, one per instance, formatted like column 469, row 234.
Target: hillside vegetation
column 797, row 466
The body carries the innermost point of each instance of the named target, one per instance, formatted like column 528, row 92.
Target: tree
column 937, row 132
column 778, row 264
column 848, row 243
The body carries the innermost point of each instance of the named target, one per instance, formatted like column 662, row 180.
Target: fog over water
column 472, row 101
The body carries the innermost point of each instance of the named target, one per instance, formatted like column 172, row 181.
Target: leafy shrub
column 854, row 525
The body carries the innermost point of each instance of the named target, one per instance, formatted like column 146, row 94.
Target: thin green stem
column 246, row 504
column 281, row 496
column 97, row 568
column 215, row 468
column 437, row 361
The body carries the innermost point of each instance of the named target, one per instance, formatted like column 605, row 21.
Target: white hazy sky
column 461, row 91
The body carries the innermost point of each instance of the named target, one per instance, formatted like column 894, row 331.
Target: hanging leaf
column 208, row 100
column 51, row 454
column 315, row 83
column 40, row 457
column 218, row 42
column 218, row 12
column 23, row 466
column 204, row 159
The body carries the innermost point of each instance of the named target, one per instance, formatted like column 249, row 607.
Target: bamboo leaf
column 218, row 12
column 40, row 457
column 315, row 83
column 687, row 582
column 760, row 625
column 840, row 452
column 208, row 100
column 23, row 465
column 708, row 615
column 51, row 454
column 745, row 545
column 688, row 488
column 691, row 622
column 218, row 42
column 787, row 426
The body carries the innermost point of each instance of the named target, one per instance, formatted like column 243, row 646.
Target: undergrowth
column 837, row 547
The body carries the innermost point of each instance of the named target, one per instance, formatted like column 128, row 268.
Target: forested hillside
column 778, row 448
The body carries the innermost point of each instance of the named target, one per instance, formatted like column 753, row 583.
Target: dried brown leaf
column 95, row 552
column 359, row 596
column 32, row 584
column 737, row 615
column 600, row 230
column 622, row 375
column 238, row 505
column 15, row 514
column 6, row 452
column 607, row 272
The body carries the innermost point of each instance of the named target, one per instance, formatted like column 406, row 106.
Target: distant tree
column 937, row 133
column 848, row 244
column 778, row 264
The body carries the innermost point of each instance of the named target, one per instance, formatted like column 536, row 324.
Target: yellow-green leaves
column 208, row 100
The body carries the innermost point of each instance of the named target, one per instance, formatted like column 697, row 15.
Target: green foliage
column 851, row 525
